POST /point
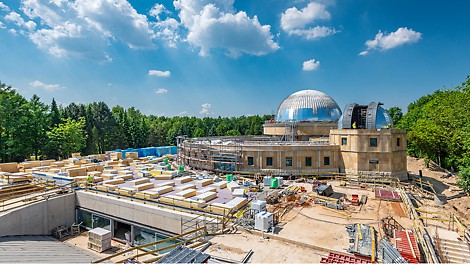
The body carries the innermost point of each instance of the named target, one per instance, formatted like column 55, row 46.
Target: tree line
column 438, row 126
column 33, row 128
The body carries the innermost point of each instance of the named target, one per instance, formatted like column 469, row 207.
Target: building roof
column 182, row 254
column 308, row 105
column 41, row 249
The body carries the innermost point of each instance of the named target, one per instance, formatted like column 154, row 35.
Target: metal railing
column 27, row 199
column 193, row 235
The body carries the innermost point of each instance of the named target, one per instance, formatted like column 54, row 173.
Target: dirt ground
column 82, row 240
column 313, row 228
column 316, row 226
column 266, row 250
column 459, row 206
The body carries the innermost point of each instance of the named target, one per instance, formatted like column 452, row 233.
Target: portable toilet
column 274, row 183
column 180, row 169
column 229, row 177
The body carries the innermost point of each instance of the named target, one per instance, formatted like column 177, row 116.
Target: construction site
column 321, row 186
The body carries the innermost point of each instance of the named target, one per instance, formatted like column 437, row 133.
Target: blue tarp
column 150, row 151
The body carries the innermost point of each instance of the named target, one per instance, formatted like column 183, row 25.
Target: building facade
column 310, row 136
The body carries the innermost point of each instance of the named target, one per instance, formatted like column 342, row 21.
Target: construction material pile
column 389, row 254
column 363, row 239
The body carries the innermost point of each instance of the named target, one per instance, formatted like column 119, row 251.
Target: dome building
column 309, row 136
column 308, row 106
column 304, row 115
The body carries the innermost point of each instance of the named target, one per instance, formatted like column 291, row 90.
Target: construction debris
column 390, row 225
column 387, row 195
column 389, row 254
column 343, row 258
column 363, row 239
column 406, row 244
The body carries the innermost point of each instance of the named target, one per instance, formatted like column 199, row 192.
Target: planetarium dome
column 308, row 105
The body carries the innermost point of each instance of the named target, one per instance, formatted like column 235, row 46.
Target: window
column 326, row 161
column 308, row 161
column 288, row 161
column 269, row 161
column 85, row 218
column 373, row 162
column 102, row 222
column 398, row 142
column 344, row 141
column 251, row 161
column 373, row 142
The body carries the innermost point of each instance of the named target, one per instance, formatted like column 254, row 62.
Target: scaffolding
column 219, row 154
column 290, row 131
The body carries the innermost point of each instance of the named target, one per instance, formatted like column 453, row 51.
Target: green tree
column 13, row 125
column 104, row 122
column 55, row 114
column 464, row 179
column 233, row 132
column 396, row 114
column 68, row 137
column 199, row 133
column 38, row 125
column 438, row 127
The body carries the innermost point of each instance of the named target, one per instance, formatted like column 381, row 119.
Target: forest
column 438, row 126
column 31, row 128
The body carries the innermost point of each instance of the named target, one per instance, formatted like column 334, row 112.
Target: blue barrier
column 150, row 151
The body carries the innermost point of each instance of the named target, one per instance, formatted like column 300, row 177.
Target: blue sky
column 231, row 58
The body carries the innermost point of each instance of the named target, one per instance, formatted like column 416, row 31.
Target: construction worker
column 90, row 179
column 354, row 126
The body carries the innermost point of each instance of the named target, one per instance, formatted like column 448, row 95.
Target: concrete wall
column 359, row 157
column 304, row 130
column 39, row 218
column 298, row 153
column 137, row 212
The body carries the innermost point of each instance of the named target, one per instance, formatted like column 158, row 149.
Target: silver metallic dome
column 308, row 105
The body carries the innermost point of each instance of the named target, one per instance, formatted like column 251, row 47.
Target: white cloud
column 183, row 113
column 383, row 41
column 363, row 53
column 313, row 33
column 161, row 91
column 294, row 21
column 159, row 73
column 85, row 28
column 19, row 21
column 167, row 30
column 293, row 18
column 48, row 87
column 116, row 19
column 157, row 9
column 4, row 7
column 216, row 25
column 311, row 65
column 205, row 109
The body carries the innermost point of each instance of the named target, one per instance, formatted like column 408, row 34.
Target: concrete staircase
column 455, row 251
